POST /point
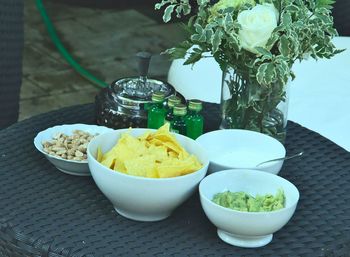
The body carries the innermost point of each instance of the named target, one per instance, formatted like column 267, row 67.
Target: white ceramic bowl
column 139, row 198
column 241, row 149
column 79, row 168
column 246, row 229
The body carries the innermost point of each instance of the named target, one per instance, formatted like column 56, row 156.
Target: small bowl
column 246, row 229
column 72, row 167
column 140, row 198
column 242, row 149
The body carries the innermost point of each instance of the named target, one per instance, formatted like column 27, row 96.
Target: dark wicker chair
column 11, row 47
column 341, row 14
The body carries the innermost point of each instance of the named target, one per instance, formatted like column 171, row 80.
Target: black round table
column 44, row 212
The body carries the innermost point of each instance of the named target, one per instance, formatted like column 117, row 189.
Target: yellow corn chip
column 99, row 154
column 108, row 161
column 141, row 166
column 153, row 155
column 119, row 166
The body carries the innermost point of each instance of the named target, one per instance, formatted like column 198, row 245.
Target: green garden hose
column 63, row 51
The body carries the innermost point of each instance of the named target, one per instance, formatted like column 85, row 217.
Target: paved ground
column 102, row 40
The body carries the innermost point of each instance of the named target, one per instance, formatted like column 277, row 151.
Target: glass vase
column 246, row 104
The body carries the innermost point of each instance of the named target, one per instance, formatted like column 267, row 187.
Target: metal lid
column 158, row 97
column 125, row 97
column 129, row 97
column 173, row 100
column 195, row 105
column 180, row 110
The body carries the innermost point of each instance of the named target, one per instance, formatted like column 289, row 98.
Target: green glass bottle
column 172, row 101
column 194, row 120
column 178, row 124
column 156, row 111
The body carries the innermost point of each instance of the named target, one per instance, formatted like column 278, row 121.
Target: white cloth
column 319, row 96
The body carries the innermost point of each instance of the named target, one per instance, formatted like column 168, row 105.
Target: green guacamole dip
column 241, row 201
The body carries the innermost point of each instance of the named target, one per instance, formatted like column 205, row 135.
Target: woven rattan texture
column 11, row 45
column 44, row 212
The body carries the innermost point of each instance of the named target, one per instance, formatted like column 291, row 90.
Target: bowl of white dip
column 242, row 149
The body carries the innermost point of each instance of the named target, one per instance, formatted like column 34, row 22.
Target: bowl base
column 142, row 217
column 87, row 173
column 244, row 241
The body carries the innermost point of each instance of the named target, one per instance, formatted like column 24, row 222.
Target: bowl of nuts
column 65, row 146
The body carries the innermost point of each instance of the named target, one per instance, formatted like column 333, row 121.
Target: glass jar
column 245, row 104
column 124, row 105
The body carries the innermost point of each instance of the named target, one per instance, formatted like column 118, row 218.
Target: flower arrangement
column 256, row 43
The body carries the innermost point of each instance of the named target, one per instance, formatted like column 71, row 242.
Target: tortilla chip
column 153, row 155
column 141, row 166
column 99, row 154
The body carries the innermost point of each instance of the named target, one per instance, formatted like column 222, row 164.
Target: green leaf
column 197, row 50
column 185, row 45
column 272, row 40
column 201, row 34
column 234, row 43
column 209, row 33
column 198, row 28
column 199, row 38
column 325, row 3
column 264, row 52
column 167, row 13
column 222, row 64
column 157, row 6
column 216, row 39
column 277, row 4
column 292, row 8
column 286, row 19
column 176, row 53
column 193, row 58
column 338, row 51
column 325, row 19
column 228, row 21
column 261, row 73
column 270, row 74
column 186, row 9
column 179, row 10
column 283, row 46
column 180, row 51
column 202, row 2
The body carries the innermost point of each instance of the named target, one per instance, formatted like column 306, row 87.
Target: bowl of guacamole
column 247, row 206
column 241, row 201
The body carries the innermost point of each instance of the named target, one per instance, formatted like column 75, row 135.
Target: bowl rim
column 119, row 131
column 38, row 145
column 265, row 165
column 218, row 173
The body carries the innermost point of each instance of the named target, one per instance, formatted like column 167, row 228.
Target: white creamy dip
column 242, row 158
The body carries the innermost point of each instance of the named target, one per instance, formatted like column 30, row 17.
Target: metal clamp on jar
column 122, row 104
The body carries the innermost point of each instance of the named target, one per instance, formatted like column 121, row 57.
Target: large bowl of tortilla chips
column 146, row 173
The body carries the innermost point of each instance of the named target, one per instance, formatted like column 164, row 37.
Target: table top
column 319, row 96
column 44, row 212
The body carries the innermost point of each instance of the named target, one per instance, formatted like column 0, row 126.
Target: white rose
column 257, row 25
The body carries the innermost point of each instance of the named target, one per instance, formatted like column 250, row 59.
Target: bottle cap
column 158, row 96
column 172, row 100
column 195, row 105
column 180, row 110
